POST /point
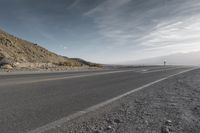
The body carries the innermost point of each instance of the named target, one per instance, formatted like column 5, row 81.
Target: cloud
column 178, row 36
column 133, row 29
column 73, row 4
column 65, row 48
column 149, row 25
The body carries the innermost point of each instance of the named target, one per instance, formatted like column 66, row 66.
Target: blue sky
column 106, row 31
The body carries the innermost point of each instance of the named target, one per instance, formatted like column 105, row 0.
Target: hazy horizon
column 106, row 31
column 182, row 58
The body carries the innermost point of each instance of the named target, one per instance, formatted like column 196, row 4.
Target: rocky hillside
column 15, row 52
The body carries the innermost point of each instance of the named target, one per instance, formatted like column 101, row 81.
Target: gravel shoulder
column 171, row 106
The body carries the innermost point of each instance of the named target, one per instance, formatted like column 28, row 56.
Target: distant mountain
column 192, row 58
column 17, row 52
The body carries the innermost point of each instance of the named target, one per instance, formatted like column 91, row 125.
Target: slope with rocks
column 18, row 53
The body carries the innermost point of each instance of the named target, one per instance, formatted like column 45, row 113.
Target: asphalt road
column 29, row 101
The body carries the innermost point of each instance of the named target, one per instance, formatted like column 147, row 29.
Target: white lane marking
column 151, row 71
column 144, row 70
column 159, row 70
column 95, row 107
column 80, row 76
column 70, row 77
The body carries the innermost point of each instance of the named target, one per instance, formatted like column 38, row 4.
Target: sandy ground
column 171, row 106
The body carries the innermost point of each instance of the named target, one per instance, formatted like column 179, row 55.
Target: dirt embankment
column 172, row 106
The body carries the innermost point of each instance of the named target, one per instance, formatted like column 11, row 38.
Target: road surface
column 29, row 101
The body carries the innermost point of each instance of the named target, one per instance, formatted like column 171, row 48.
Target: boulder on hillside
column 5, row 61
column 7, row 66
column 5, row 41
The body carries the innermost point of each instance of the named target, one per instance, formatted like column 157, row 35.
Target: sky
column 106, row 31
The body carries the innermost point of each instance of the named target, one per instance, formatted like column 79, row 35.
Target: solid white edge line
column 152, row 71
column 73, row 76
column 57, row 123
column 88, row 75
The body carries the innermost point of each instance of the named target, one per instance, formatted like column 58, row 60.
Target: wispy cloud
column 181, row 35
column 133, row 29
column 73, row 4
column 149, row 25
